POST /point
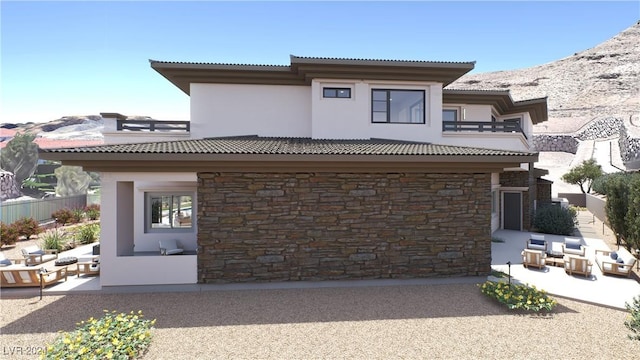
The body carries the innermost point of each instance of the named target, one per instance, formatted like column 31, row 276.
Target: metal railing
column 483, row 126
column 41, row 209
column 154, row 125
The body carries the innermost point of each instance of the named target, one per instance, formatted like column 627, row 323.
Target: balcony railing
column 483, row 126
column 154, row 125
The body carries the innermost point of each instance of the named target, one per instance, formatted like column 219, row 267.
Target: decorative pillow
column 37, row 252
column 5, row 262
column 536, row 242
column 620, row 261
column 614, row 255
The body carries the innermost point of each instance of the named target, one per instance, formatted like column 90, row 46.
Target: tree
column 20, row 156
column 71, row 181
column 632, row 218
column 617, row 205
column 584, row 174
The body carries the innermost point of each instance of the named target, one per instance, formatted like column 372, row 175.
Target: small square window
column 168, row 212
column 341, row 93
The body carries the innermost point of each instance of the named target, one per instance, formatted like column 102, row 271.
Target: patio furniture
column 30, row 276
column 615, row 262
column 88, row 267
column 535, row 258
column 4, row 261
column 578, row 265
column 555, row 250
column 170, row 247
column 573, row 246
column 33, row 255
column 537, row 242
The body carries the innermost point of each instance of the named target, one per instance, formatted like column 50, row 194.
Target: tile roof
column 289, row 146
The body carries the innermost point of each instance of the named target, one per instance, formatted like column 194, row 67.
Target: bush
column 87, row 234
column 8, row 234
column 53, row 239
column 62, row 216
column 633, row 323
column 27, row 227
column 113, row 336
column 518, row 296
column 77, row 215
column 92, row 211
column 555, row 219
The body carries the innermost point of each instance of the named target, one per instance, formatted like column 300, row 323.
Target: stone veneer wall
column 321, row 226
column 8, row 186
column 561, row 143
column 519, row 179
column 629, row 142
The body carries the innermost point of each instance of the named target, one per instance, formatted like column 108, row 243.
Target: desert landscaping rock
column 418, row 322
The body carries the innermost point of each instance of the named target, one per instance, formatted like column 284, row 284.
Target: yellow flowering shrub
column 518, row 296
column 113, row 336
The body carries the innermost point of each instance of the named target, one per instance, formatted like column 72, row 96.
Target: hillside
column 603, row 81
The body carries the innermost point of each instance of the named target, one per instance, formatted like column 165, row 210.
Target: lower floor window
column 169, row 211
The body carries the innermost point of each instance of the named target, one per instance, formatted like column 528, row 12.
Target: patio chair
column 33, row 255
column 537, row 242
column 578, row 265
column 30, row 276
column 573, row 246
column 170, row 247
column 535, row 258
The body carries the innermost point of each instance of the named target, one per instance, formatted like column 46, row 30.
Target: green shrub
column 92, row 211
column 8, row 234
column 87, row 233
column 53, row 239
column 113, row 336
column 555, row 219
column 518, row 296
column 633, row 322
column 27, row 227
column 77, row 215
column 62, row 216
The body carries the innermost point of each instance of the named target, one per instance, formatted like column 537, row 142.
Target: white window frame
column 173, row 213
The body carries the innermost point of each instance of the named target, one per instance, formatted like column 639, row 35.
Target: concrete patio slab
column 600, row 289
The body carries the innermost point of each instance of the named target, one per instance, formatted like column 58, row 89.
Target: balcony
column 482, row 126
column 153, row 125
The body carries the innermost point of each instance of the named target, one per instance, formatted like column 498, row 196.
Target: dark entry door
column 512, row 211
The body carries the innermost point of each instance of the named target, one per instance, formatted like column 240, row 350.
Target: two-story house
column 322, row 169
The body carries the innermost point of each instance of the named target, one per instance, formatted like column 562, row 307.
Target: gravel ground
column 435, row 321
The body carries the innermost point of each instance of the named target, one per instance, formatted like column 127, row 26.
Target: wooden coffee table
column 555, row 261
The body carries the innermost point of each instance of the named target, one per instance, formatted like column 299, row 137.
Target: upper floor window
column 332, row 92
column 168, row 212
column 397, row 106
column 450, row 114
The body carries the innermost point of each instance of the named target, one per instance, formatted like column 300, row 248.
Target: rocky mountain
column 603, row 81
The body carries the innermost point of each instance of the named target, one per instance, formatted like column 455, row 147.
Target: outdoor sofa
column 21, row 276
column 618, row 262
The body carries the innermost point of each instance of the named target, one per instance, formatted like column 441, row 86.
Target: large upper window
column 397, row 106
column 165, row 212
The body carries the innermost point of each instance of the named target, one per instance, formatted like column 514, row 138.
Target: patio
column 600, row 289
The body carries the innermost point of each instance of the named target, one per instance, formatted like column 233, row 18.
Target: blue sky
column 87, row 57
